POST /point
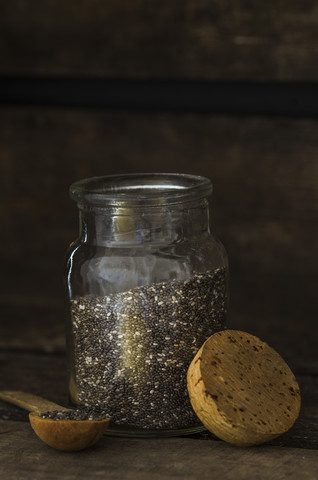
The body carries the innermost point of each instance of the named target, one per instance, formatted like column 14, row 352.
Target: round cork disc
column 242, row 390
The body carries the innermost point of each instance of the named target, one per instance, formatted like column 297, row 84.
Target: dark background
column 224, row 89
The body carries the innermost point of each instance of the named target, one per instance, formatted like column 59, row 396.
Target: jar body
column 146, row 285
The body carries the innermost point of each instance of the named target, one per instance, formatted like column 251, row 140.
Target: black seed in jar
column 132, row 349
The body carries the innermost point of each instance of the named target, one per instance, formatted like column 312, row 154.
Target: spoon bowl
column 67, row 435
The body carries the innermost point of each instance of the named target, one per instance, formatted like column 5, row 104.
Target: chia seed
column 132, row 349
column 77, row 414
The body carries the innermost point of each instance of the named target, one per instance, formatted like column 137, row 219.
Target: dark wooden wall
column 221, row 39
column 264, row 167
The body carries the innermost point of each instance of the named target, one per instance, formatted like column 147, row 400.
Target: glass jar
column 146, row 286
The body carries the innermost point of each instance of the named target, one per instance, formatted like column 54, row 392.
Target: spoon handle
column 30, row 402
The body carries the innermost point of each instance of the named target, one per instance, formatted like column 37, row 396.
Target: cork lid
column 242, row 390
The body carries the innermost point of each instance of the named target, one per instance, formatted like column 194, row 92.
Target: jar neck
column 117, row 226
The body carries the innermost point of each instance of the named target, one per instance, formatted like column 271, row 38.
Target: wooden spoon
column 67, row 435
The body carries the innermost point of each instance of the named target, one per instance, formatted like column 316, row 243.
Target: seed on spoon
column 68, row 434
column 76, row 414
column 69, row 430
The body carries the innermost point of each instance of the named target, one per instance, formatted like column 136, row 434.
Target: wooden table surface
column 39, row 367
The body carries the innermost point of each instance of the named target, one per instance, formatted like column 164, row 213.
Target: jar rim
column 140, row 189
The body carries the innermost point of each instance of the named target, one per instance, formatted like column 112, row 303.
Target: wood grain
column 24, row 456
column 29, row 401
column 134, row 38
